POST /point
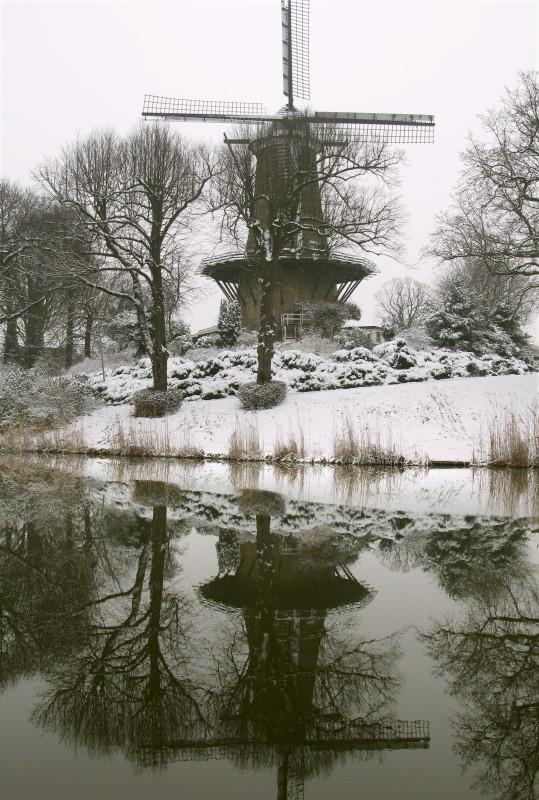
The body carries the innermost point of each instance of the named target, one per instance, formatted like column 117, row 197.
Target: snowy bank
column 427, row 421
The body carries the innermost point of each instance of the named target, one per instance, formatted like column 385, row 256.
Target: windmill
column 308, row 270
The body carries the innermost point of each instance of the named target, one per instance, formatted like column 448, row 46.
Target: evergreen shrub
column 261, row 395
column 152, row 403
column 350, row 338
column 229, row 322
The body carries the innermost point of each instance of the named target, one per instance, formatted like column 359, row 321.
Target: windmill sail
column 390, row 128
column 202, row 110
column 295, row 26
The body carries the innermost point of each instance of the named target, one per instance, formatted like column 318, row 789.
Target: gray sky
column 70, row 67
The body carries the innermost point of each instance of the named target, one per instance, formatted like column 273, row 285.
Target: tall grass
column 513, row 441
column 354, row 444
column 148, row 440
column 244, row 443
column 290, row 447
column 24, row 439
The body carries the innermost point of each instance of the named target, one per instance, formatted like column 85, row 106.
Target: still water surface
column 197, row 637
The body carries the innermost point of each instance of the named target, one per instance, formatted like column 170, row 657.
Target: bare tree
column 16, row 207
column 495, row 213
column 404, row 302
column 38, row 298
column 280, row 189
column 135, row 195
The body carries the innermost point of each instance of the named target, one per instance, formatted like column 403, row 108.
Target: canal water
column 197, row 631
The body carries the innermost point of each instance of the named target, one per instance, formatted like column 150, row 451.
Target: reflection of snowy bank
column 503, row 493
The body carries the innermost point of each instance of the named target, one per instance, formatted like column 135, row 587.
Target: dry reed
column 360, row 445
column 244, row 443
column 291, row 447
column 513, row 441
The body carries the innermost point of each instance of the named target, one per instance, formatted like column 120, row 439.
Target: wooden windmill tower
column 308, row 269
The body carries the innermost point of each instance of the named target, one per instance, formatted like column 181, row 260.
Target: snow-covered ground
column 446, row 420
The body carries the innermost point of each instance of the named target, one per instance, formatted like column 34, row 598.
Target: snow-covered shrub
column 229, row 322
column 439, row 371
column 213, row 390
column 355, row 354
column 180, row 340
column 417, row 338
column 37, row 398
column 309, row 382
column 181, row 370
column 297, row 359
column 327, row 319
column 210, row 340
column 153, row 403
column 223, row 374
column 397, row 354
column 262, row 395
column 350, row 338
column 246, row 359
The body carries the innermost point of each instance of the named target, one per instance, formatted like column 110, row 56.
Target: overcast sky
column 70, row 67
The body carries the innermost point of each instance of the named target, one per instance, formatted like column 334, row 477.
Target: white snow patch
column 434, row 420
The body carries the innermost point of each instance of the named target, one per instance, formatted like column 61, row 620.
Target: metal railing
column 294, row 319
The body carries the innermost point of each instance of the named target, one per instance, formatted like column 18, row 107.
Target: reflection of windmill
column 277, row 713
column 307, row 270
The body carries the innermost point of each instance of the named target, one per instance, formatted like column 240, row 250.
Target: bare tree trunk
column 88, row 330
column 11, row 342
column 266, row 331
column 34, row 340
column 144, row 343
column 159, row 349
column 69, row 345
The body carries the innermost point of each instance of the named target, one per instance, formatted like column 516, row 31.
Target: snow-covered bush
column 355, row 354
column 152, row 403
column 397, row 354
column 262, row 395
column 229, row 322
column 180, row 338
column 36, row 398
column 209, row 340
column 350, row 338
column 297, row 359
column 417, row 338
column 326, row 318
column 223, row 374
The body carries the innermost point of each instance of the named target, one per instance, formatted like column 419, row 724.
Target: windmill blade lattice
column 203, row 110
column 296, row 71
column 413, row 131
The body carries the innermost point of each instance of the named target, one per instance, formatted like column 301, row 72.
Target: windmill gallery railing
column 355, row 734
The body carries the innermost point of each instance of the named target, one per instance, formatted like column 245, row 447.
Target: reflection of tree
column 46, row 573
column 123, row 689
column 471, row 556
column 87, row 598
column 492, row 660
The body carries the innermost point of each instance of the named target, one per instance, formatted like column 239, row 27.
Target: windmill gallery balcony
column 300, row 276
